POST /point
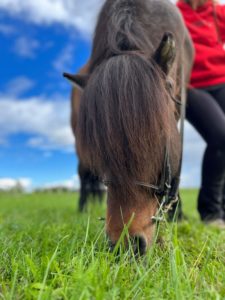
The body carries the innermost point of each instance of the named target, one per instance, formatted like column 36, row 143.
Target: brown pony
column 126, row 115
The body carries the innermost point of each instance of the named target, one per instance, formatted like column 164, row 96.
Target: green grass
column 49, row 251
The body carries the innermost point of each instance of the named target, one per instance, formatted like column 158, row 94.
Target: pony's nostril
column 139, row 245
column 111, row 245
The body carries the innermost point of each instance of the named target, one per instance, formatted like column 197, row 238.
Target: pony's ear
column 166, row 52
column 78, row 80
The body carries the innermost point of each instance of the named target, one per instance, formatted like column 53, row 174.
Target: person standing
column 205, row 20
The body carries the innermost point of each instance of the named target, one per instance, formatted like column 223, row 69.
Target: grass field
column 49, row 251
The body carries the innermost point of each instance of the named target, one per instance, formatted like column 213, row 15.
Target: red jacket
column 208, row 34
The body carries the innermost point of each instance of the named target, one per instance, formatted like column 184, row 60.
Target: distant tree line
column 56, row 189
column 17, row 188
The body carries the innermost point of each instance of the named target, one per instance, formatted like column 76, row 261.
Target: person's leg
column 219, row 95
column 204, row 113
column 210, row 196
column 223, row 200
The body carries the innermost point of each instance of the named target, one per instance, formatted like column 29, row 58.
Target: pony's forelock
column 123, row 122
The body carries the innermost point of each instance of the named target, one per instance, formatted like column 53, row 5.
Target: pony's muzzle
column 138, row 244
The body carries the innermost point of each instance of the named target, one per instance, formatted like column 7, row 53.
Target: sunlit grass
column 50, row 251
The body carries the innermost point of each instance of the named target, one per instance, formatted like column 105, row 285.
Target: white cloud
column 193, row 152
column 75, row 13
column 26, row 47
column 63, row 61
column 71, row 183
column 46, row 121
column 190, row 177
column 10, row 183
column 18, row 86
column 7, row 184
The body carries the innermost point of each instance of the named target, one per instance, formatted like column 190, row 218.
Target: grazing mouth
column 138, row 244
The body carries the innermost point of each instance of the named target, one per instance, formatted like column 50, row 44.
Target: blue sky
column 35, row 138
column 39, row 40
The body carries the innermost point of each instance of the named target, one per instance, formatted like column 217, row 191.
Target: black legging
column 206, row 112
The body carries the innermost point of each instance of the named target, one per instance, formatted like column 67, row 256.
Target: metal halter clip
column 158, row 219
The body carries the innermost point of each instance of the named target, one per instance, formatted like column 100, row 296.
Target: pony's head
column 126, row 121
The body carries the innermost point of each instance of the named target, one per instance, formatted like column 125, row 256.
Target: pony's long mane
column 123, row 122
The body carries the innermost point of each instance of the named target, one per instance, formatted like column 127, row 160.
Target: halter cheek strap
column 171, row 198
